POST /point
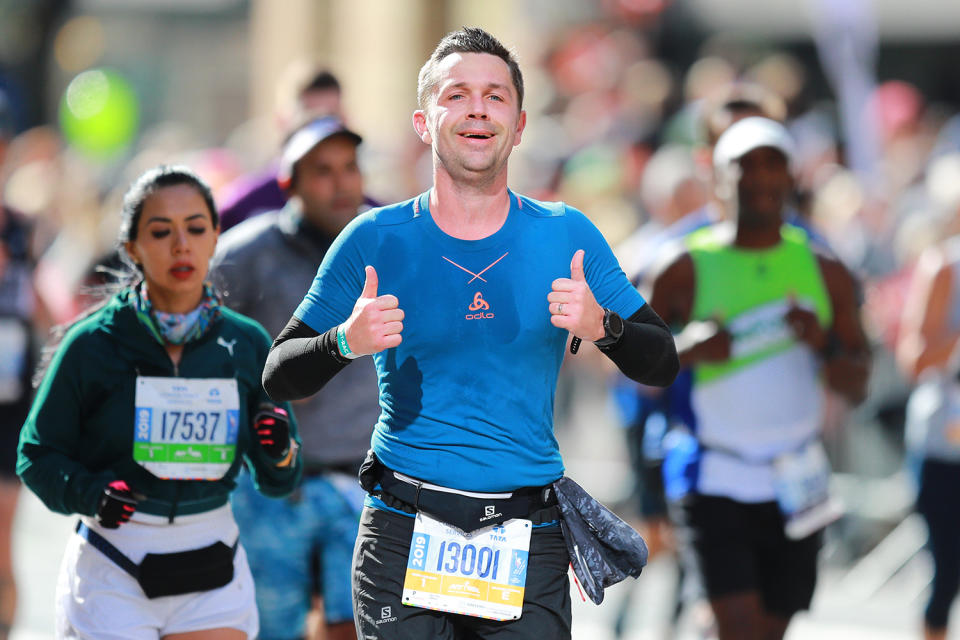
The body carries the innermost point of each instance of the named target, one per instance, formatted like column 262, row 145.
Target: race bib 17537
column 186, row 428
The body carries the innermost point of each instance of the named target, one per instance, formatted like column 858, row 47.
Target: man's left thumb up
column 576, row 267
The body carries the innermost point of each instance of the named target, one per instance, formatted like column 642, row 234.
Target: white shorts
column 97, row 599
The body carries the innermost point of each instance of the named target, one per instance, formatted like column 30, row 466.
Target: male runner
column 768, row 319
column 263, row 266
column 464, row 296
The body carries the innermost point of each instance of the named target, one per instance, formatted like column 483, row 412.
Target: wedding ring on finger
column 559, row 308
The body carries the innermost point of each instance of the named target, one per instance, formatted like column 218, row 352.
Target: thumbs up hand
column 572, row 305
column 376, row 321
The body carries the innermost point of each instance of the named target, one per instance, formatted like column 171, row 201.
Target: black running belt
column 171, row 574
column 102, row 545
column 467, row 511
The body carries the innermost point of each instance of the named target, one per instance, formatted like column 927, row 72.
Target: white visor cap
column 748, row 134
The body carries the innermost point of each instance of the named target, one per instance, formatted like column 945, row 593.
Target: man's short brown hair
column 466, row 40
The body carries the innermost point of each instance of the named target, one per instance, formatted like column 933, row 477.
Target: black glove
column 272, row 425
column 116, row 506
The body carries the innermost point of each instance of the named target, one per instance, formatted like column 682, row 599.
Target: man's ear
column 521, row 125
column 420, row 126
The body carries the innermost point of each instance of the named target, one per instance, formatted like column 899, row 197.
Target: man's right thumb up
column 370, row 284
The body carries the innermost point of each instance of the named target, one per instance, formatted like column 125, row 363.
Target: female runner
column 146, row 410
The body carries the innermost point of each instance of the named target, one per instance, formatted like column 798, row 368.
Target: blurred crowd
column 618, row 133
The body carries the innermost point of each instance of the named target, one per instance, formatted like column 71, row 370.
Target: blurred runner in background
column 765, row 317
column 304, row 545
column 928, row 354
column 17, row 360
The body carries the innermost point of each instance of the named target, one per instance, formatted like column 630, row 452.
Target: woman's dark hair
column 117, row 271
column 152, row 181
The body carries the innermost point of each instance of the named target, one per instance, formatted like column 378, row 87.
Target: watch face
column 614, row 324
column 612, row 327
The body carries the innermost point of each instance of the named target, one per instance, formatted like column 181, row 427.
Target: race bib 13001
column 481, row 574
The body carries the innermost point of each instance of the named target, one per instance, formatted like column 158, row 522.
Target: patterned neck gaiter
column 176, row 328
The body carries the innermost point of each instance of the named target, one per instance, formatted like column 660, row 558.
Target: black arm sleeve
column 646, row 352
column 301, row 361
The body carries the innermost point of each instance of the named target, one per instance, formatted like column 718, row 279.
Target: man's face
column 764, row 187
column 473, row 120
column 328, row 184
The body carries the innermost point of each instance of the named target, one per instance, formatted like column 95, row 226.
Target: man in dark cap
column 263, row 266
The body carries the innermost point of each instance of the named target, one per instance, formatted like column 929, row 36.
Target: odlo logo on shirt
column 480, row 306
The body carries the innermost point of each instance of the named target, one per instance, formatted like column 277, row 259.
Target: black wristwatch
column 613, row 329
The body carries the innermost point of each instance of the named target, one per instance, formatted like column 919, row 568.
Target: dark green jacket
column 79, row 434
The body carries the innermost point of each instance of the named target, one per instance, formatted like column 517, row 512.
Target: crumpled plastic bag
column 603, row 548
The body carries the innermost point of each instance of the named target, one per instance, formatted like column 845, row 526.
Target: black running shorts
column 379, row 566
column 736, row 547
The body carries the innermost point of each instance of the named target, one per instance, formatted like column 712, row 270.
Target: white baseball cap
column 748, row 134
column 306, row 138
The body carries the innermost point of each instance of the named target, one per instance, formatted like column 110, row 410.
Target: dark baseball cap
column 306, row 138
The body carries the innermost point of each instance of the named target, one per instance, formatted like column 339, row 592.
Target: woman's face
column 175, row 241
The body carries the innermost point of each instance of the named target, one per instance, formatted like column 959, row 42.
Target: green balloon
column 99, row 113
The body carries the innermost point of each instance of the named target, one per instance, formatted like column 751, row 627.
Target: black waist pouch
column 459, row 509
column 172, row 574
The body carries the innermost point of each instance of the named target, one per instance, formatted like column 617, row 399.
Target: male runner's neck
column 752, row 232
column 468, row 212
column 757, row 237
